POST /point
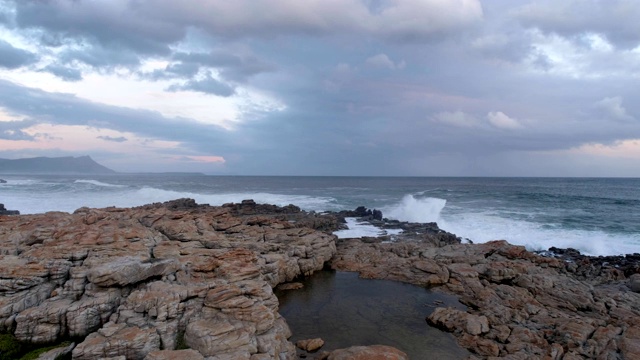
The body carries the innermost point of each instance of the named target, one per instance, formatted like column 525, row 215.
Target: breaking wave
column 414, row 209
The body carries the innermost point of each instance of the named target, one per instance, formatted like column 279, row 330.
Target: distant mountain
column 58, row 165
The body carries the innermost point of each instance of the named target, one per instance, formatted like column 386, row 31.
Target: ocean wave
column 416, row 209
column 481, row 227
column 97, row 183
column 19, row 182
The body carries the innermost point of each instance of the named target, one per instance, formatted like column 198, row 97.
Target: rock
column 4, row 211
column 519, row 304
column 373, row 352
column 126, row 270
column 310, row 345
column 451, row 319
column 187, row 354
column 134, row 281
column 634, row 283
column 57, row 353
column 2, row 181
column 631, row 343
column 290, row 286
column 131, row 342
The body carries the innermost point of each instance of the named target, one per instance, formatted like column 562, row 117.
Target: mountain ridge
column 53, row 165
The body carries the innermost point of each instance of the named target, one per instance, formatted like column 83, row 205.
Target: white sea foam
column 481, row 227
column 43, row 202
column 414, row 209
column 97, row 183
column 534, row 236
column 358, row 229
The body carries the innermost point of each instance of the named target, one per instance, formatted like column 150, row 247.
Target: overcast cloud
column 325, row 87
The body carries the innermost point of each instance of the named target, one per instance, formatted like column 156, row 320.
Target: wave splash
column 414, row 209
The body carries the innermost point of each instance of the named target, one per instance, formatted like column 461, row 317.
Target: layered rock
column 520, row 305
column 144, row 282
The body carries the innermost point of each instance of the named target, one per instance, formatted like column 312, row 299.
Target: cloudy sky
column 325, row 87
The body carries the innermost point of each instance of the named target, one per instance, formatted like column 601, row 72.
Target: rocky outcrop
column 4, row 211
column 520, row 305
column 180, row 280
column 142, row 283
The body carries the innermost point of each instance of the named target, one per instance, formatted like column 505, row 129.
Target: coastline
column 92, row 275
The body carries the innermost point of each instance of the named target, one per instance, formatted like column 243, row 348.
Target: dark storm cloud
column 12, row 58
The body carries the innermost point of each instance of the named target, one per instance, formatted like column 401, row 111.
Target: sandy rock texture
column 520, row 305
column 146, row 282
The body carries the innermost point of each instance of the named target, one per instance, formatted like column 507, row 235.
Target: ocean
column 597, row 216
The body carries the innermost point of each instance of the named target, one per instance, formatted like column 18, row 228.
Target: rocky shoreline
column 181, row 280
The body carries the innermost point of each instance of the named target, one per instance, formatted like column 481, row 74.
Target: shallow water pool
column 345, row 310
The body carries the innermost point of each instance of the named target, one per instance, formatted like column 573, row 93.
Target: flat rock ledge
column 164, row 281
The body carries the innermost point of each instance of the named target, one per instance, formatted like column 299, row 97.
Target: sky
column 325, row 87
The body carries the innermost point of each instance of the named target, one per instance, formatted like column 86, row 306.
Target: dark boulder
column 4, row 211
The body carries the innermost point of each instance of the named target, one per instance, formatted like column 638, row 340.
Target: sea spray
column 414, row 209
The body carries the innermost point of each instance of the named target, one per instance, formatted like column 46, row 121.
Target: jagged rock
column 520, row 305
column 134, row 281
column 373, row 352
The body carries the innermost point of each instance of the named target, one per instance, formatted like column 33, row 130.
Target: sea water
column 597, row 216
